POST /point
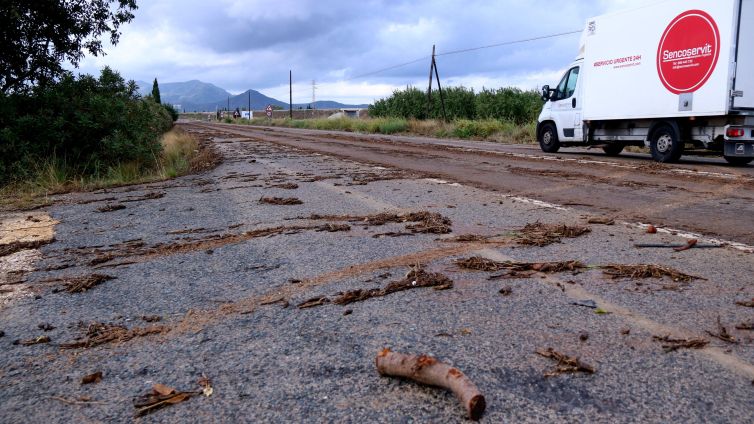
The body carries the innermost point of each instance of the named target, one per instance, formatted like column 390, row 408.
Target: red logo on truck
column 688, row 52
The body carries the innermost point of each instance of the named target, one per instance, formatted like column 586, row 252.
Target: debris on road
column 45, row 326
column 100, row 333
column 206, row 384
column 315, row 301
column 585, row 303
column 416, row 278
column 617, row 271
column 689, row 244
column 745, row 325
column 84, row 283
column 746, row 303
column 540, row 235
column 422, row 222
column 333, row 228
column 565, row 364
column 32, row 342
column 671, row 344
column 506, row 291
column 428, row 370
column 601, row 220
column 93, row 378
column 17, row 246
column 280, row 201
column 111, row 208
column 148, row 196
column 469, row 238
column 722, row 333
column 160, row 397
column 651, row 229
column 517, row 269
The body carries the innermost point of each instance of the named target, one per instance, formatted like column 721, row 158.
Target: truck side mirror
column 546, row 93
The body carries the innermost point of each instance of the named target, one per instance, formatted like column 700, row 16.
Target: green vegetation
column 179, row 154
column 156, row 92
column 38, row 37
column 84, row 126
column 503, row 104
column 483, row 129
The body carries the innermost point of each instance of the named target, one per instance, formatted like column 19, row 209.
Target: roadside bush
column 504, row 104
column 172, row 111
column 87, row 124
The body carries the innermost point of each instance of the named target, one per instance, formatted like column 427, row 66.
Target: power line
column 508, row 43
column 466, row 50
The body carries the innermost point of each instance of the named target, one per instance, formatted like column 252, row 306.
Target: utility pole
column 250, row 104
column 290, row 93
column 228, row 108
column 314, row 95
column 433, row 68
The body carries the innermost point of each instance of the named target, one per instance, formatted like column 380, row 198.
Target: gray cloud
column 240, row 44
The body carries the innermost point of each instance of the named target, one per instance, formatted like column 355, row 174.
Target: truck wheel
column 613, row 149
column 738, row 161
column 665, row 145
column 548, row 138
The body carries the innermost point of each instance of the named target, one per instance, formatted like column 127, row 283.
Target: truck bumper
column 741, row 149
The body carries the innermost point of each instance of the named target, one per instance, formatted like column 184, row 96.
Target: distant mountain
column 189, row 94
column 201, row 96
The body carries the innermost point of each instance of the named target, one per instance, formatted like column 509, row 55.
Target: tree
column 156, row 92
column 37, row 37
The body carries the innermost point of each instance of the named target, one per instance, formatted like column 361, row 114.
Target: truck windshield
column 567, row 86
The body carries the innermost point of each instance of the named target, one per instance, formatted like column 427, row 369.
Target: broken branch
column 428, row 370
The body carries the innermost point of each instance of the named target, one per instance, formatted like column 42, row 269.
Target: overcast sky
column 241, row 44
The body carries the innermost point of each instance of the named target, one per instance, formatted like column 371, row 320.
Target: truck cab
column 560, row 121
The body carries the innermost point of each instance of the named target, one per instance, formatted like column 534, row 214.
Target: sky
column 242, row 44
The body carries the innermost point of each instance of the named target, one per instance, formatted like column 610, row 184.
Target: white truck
column 673, row 76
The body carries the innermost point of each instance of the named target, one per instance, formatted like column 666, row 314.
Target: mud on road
column 276, row 279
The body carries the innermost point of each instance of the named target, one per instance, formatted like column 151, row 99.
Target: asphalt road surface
column 201, row 278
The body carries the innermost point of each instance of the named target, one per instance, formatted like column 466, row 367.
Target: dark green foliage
column 171, row 111
column 505, row 104
column 156, row 92
column 88, row 123
column 36, row 37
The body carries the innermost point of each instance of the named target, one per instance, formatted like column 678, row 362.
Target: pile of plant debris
column 539, row 234
column 416, row 278
column 671, row 344
column 422, row 222
column 617, row 271
column 518, row 269
column 84, row 283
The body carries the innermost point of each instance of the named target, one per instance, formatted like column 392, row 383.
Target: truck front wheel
column 738, row 161
column 548, row 138
column 665, row 145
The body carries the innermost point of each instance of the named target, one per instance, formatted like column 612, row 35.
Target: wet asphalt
column 269, row 363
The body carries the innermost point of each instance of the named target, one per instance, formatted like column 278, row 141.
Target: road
column 704, row 196
column 281, row 274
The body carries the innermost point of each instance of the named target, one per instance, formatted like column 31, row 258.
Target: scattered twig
column 316, row 301
column 416, row 278
column 92, row 378
column 428, row 370
column 32, row 342
column 601, row 220
column 160, row 397
column 722, row 333
column 671, row 344
column 746, row 303
column 565, row 364
column 80, row 401
column 280, row 201
column 99, row 333
column 745, row 325
column 111, row 208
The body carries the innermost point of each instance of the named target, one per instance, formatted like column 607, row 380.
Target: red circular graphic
column 688, row 52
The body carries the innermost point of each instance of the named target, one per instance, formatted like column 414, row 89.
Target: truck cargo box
column 744, row 84
column 671, row 59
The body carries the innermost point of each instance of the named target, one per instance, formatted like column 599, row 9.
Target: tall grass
column 55, row 176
